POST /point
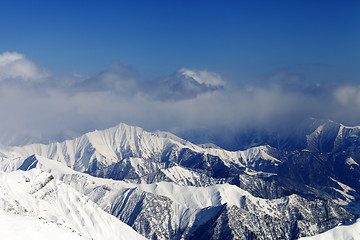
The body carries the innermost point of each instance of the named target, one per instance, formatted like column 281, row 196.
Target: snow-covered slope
column 170, row 211
column 330, row 136
column 20, row 227
column 312, row 134
column 36, row 193
column 174, row 189
column 349, row 231
column 130, row 152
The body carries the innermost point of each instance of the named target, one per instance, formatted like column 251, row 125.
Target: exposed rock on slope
column 170, row 211
column 293, row 187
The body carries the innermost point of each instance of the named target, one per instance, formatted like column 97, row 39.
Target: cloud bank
column 183, row 84
column 41, row 105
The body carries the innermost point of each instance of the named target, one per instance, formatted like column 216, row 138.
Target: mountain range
column 279, row 185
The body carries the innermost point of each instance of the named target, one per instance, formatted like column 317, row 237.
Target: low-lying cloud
column 46, row 106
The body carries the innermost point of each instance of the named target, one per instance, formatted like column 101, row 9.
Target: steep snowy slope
column 20, row 227
column 330, row 136
column 130, row 152
column 349, row 231
column 174, row 189
column 170, row 211
column 312, row 134
column 36, row 193
column 126, row 152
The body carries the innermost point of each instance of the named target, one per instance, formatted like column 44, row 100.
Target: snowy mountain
column 312, row 134
column 183, row 84
column 171, row 211
column 297, row 185
column 349, row 231
column 19, row 227
column 36, row 193
column 126, row 152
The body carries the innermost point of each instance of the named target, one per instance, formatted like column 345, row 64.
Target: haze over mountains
column 188, row 101
column 280, row 186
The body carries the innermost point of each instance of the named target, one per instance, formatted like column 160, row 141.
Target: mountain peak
column 201, row 77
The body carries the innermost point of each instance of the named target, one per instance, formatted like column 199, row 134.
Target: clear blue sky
column 319, row 40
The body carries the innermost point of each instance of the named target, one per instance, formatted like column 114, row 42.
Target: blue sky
column 175, row 65
column 241, row 40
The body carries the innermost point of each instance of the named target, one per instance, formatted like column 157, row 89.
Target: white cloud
column 203, row 76
column 183, row 84
column 348, row 95
column 77, row 104
column 14, row 65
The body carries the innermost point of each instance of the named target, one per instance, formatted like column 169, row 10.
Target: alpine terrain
column 279, row 186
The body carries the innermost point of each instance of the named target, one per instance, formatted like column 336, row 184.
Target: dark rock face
column 313, row 173
column 267, row 188
column 291, row 217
